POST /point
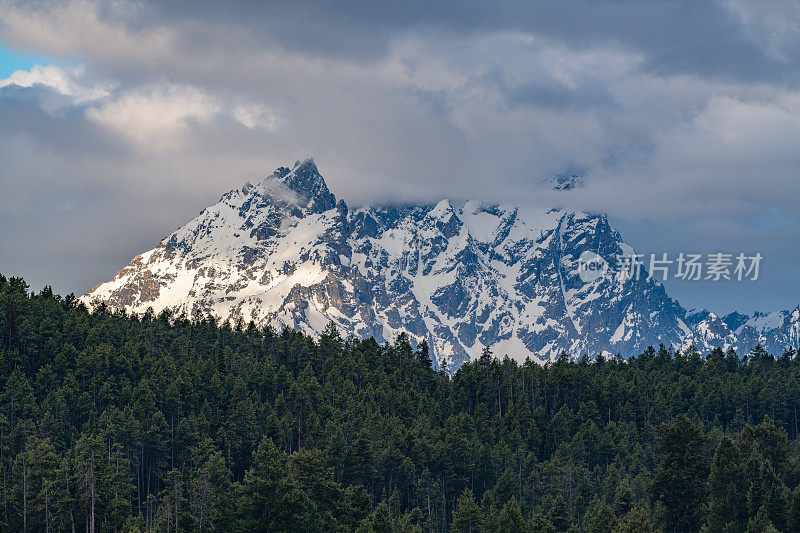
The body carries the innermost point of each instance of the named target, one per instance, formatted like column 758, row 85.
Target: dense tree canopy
column 158, row 423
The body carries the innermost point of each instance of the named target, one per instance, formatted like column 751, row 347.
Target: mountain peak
column 566, row 182
column 305, row 180
column 463, row 277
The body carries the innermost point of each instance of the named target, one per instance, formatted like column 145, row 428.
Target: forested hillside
column 116, row 423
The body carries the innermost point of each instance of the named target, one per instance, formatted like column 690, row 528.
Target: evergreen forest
column 121, row 423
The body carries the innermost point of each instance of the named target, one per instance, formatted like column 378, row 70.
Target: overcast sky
column 119, row 120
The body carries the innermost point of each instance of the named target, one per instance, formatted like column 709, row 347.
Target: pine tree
column 268, row 499
column 679, row 481
column 603, row 520
column 761, row 523
column 489, row 512
column 13, row 330
column 728, row 493
column 423, row 354
column 793, row 522
column 209, row 487
column 540, row 524
column 380, row 521
column 510, row 518
column 557, row 513
column 310, row 470
column 636, row 521
column 38, row 469
column 623, row 499
column 467, row 517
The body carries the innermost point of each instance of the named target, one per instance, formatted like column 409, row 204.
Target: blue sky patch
column 13, row 60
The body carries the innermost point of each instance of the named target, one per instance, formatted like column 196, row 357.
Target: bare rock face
column 464, row 277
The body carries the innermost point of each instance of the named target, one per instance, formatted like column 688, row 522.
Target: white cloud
column 64, row 80
column 255, row 115
column 156, row 117
column 106, row 31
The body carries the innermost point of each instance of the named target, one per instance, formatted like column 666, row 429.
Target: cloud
column 102, row 31
column 682, row 115
column 774, row 26
column 63, row 80
column 155, row 117
column 254, row 115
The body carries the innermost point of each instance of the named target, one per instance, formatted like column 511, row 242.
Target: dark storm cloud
column 695, row 37
column 707, row 38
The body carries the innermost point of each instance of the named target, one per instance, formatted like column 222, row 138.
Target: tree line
column 111, row 422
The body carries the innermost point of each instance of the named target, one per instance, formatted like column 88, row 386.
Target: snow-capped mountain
column 776, row 332
column 464, row 276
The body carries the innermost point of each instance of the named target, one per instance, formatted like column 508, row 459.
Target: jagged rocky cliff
column 464, row 276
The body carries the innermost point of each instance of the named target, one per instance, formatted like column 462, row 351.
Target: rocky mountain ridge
column 464, row 277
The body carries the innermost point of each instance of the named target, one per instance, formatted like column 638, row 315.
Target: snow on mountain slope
column 708, row 332
column 464, row 277
column 777, row 331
